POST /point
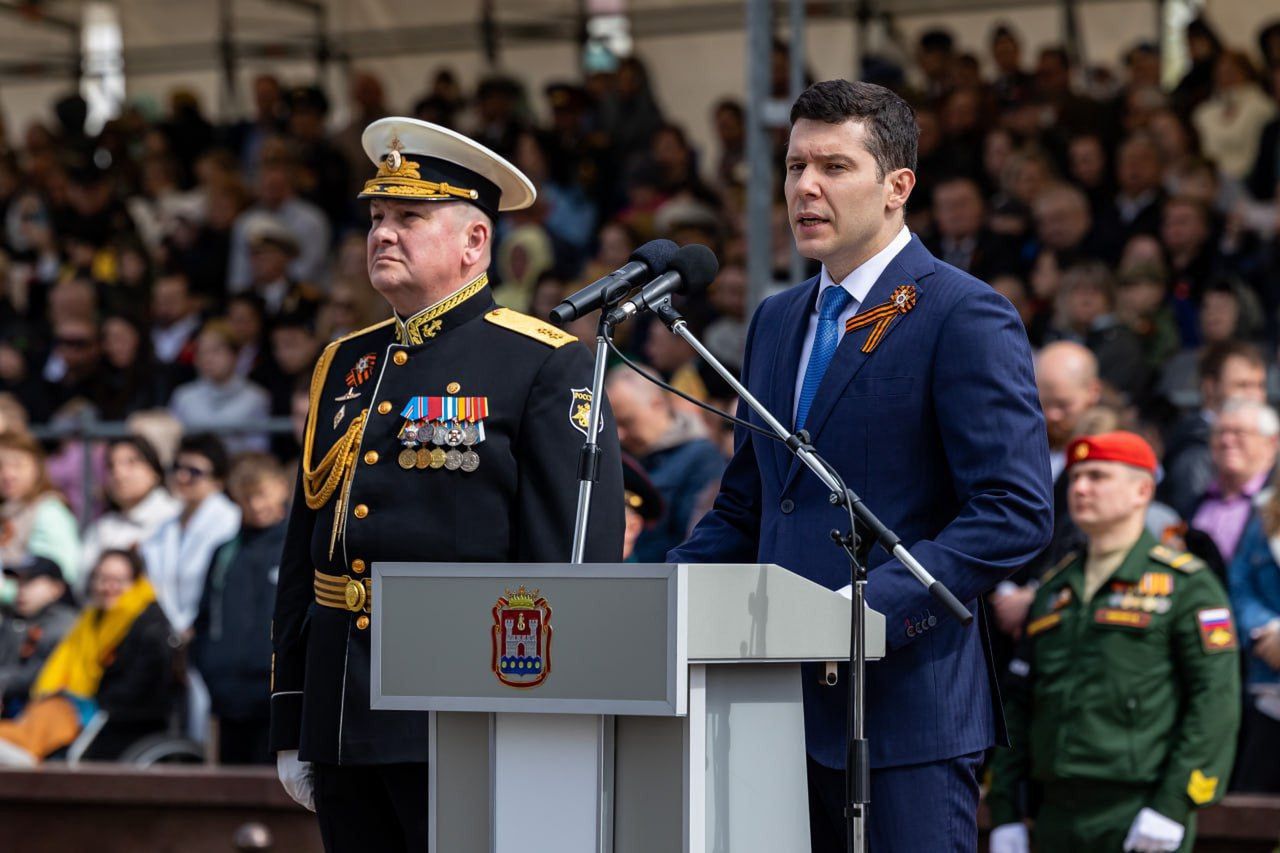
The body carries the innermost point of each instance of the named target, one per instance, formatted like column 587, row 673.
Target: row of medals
column 452, row 435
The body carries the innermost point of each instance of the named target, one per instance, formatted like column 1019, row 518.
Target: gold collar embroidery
column 426, row 323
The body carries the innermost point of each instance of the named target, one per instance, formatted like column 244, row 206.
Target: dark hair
column 936, row 39
column 892, row 134
column 1003, row 30
column 1216, row 356
column 209, row 446
column 137, row 567
column 144, row 448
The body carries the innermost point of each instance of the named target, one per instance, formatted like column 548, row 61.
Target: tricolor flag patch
column 1217, row 630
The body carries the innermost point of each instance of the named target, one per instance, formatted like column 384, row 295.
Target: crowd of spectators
column 179, row 277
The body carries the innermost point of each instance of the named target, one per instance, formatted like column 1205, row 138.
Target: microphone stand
column 589, row 460
column 857, row 757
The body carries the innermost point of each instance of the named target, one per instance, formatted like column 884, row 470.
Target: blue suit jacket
column 939, row 430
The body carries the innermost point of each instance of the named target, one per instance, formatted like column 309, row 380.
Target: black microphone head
column 656, row 255
column 697, row 266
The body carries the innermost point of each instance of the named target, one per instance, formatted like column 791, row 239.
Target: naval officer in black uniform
column 447, row 433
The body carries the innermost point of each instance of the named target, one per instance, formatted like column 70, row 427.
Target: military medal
column 358, row 375
column 407, row 458
column 454, row 425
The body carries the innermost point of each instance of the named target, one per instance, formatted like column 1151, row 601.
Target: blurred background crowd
column 166, row 285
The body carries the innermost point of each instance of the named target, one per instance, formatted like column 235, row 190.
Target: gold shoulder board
column 1180, row 560
column 530, row 327
column 1062, row 564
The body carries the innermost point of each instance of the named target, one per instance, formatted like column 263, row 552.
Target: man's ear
column 898, row 186
column 477, row 235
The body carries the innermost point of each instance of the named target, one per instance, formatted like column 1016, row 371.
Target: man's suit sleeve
column 1011, row 766
column 730, row 531
column 547, row 457
column 294, row 595
column 993, row 434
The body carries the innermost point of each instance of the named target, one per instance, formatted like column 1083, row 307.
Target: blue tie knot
column 834, row 300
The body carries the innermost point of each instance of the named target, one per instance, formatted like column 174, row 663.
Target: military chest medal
column 455, row 423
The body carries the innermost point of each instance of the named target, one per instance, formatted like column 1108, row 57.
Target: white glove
column 1152, row 832
column 297, row 777
column 1009, row 838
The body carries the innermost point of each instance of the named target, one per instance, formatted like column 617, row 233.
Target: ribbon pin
column 881, row 317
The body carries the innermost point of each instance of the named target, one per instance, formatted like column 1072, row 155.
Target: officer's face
column 840, row 205
column 418, row 252
column 1103, row 495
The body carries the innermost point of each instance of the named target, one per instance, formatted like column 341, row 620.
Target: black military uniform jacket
column 356, row 503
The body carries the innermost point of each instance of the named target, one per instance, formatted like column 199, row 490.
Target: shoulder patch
column 1062, row 564
column 1180, row 560
column 530, row 327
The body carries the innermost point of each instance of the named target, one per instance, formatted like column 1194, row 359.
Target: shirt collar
column 1251, row 487
column 863, row 278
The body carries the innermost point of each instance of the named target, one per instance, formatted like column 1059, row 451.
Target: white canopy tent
column 696, row 51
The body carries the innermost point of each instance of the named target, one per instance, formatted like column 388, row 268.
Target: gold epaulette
column 1180, row 560
column 530, row 327
column 1062, row 564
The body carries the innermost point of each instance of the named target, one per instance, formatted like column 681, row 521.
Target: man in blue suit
column 915, row 381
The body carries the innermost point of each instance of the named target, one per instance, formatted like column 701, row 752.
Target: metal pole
column 797, row 21
column 759, row 168
column 589, row 463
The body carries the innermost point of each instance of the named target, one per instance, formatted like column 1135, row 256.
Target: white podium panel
column 609, row 708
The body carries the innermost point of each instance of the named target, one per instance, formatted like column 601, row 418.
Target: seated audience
column 1254, row 583
column 218, row 398
column 178, row 553
column 232, row 642
column 1242, row 443
column 139, row 502
column 115, row 659
column 40, row 618
column 34, row 518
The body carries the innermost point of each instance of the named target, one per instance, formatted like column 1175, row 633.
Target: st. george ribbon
column 649, row 260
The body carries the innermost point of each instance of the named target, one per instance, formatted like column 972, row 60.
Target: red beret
column 1126, row 447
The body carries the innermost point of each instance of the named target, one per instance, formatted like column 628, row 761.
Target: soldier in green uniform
column 448, row 433
column 1125, row 696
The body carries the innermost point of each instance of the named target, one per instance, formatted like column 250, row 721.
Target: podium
column 609, row 708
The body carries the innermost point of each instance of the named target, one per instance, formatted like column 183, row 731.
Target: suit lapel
column 786, row 363
column 906, row 268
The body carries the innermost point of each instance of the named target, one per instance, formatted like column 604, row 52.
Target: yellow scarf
column 77, row 662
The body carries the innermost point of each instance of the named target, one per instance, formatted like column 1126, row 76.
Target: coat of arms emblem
column 522, row 638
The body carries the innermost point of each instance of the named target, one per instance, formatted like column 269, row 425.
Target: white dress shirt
column 859, row 284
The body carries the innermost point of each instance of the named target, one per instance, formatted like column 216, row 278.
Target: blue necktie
column 831, row 304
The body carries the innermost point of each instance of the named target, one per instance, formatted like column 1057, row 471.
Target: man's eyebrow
column 834, row 157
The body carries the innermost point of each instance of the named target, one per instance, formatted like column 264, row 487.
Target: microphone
column 647, row 261
column 690, row 271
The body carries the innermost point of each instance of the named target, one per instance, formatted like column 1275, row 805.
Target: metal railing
column 88, row 430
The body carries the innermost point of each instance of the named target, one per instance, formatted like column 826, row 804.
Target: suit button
column 384, row 407
column 357, row 566
column 362, row 623
column 787, row 506
column 400, row 357
column 361, row 511
column 371, row 457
